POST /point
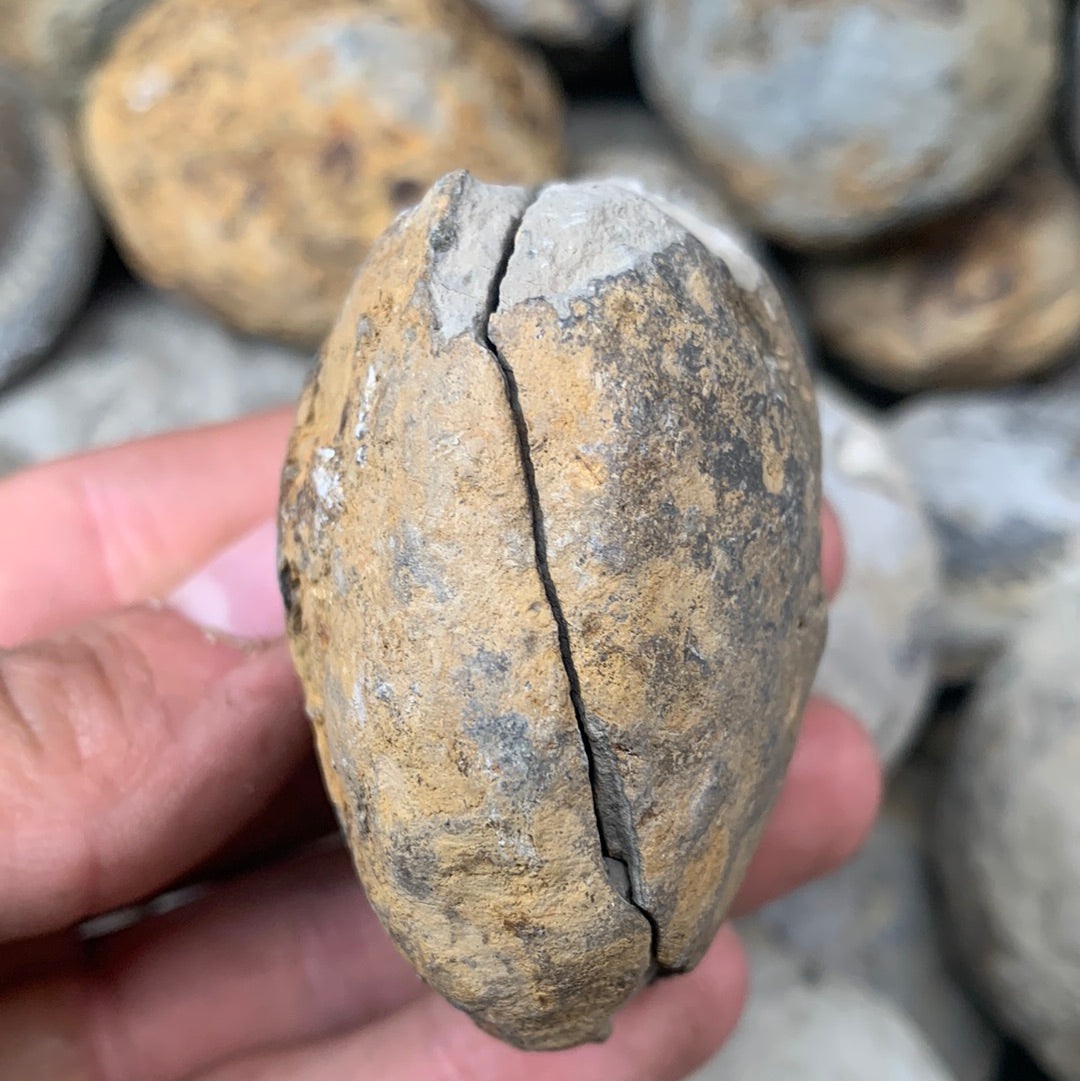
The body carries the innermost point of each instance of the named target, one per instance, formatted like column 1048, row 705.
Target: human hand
column 138, row 752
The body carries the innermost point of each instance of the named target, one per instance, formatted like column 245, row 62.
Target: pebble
column 880, row 655
column 1009, row 832
column 802, row 1024
column 57, row 43
column 876, row 920
column 835, row 121
column 248, row 152
column 987, row 296
column 579, row 24
column 999, row 475
column 50, row 238
column 138, row 364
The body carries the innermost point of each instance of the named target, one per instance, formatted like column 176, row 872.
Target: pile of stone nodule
column 903, row 178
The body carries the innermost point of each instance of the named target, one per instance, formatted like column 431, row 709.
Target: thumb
column 131, row 747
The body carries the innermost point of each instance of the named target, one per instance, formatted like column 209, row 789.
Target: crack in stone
column 614, row 826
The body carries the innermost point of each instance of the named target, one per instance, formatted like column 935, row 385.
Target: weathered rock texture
column 804, row 1025
column 248, row 152
column 880, row 657
column 50, row 239
column 1009, row 830
column 833, row 121
column 999, row 476
column 876, row 920
column 137, row 364
column 990, row 295
column 59, row 42
column 549, row 544
column 569, row 23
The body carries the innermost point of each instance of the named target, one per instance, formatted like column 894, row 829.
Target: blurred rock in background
column 138, row 364
column 248, row 155
column 987, row 295
column 877, row 920
column 50, row 239
column 1008, row 831
column 999, row 474
column 577, row 24
column 804, row 1024
column 880, row 660
column 833, row 122
column 58, row 43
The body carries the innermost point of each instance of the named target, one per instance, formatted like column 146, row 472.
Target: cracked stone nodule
column 550, row 551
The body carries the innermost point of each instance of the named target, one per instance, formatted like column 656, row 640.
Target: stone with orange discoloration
column 988, row 296
column 834, row 121
column 248, row 152
column 550, row 550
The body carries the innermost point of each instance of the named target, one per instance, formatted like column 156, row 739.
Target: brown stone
column 987, row 296
column 549, row 545
column 248, row 152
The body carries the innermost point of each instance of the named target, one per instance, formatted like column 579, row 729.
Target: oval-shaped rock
column 579, row 24
column 999, row 476
column 988, row 296
column 880, row 657
column 549, row 543
column 59, row 42
column 1009, row 832
column 834, row 121
column 50, row 238
column 877, row 920
column 801, row 1024
column 138, row 364
column 249, row 153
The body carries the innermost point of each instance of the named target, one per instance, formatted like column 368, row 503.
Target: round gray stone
column 138, row 364
column 1009, row 832
column 881, row 653
column 801, row 1024
column 999, row 475
column 50, row 237
column 834, row 121
column 876, row 920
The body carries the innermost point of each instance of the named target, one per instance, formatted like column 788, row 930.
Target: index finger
column 114, row 527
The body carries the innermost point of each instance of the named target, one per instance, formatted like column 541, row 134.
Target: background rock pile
column 187, row 187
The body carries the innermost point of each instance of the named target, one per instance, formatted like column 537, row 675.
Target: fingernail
column 236, row 593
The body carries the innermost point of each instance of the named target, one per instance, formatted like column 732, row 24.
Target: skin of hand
column 152, row 735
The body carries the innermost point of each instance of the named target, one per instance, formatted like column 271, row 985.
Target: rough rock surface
column 876, row 920
column 58, row 42
column 1009, row 833
column 572, row 23
column 988, row 296
column 50, row 239
column 249, row 153
column 550, row 552
column 804, row 1025
column 138, row 364
column 999, row 476
column 833, row 121
column 880, row 657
